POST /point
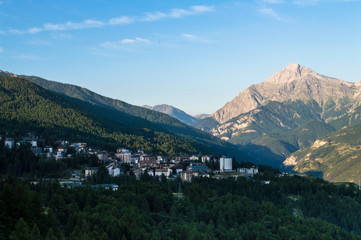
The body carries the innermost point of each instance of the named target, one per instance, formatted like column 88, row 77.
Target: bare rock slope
column 293, row 83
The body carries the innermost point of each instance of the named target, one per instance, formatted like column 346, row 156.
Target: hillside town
column 124, row 161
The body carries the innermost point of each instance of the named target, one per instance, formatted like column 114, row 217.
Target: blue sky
column 194, row 55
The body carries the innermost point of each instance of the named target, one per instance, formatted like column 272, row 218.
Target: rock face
column 287, row 112
column 293, row 83
column 173, row 112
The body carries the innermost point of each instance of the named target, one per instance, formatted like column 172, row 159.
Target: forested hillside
column 335, row 157
column 26, row 107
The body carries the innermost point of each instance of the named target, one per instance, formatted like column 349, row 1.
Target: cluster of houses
column 138, row 163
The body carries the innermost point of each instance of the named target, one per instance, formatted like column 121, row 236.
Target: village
column 124, row 161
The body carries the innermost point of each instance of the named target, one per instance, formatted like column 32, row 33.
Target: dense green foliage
column 336, row 158
column 26, row 107
column 287, row 208
column 159, row 119
column 21, row 162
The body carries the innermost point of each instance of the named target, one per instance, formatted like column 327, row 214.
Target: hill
column 174, row 112
column 161, row 119
column 25, row 107
column 336, row 157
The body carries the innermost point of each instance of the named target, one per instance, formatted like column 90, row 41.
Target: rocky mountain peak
column 292, row 72
column 292, row 83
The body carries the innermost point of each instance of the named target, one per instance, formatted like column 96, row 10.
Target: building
column 225, row 164
column 198, row 167
column 9, row 143
column 37, row 151
column 178, row 168
column 163, row 171
column 188, row 175
column 144, row 158
column 137, row 173
column 135, row 158
column 89, row 171
column 113, row 170
column 248, row 171
column 124, row 155
column 206, row 158
column 102, row 156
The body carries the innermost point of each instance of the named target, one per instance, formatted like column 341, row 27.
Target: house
column 79, row 147
column 251, row 170
column 37, row 151
column 188, row 175
column 194, row 158
column 163, row 171
column 124, row 155
column 48, row 149
column 248, row 171
column 206, row 158
column 161, row 159
column 103, row 156
column 181, row 158
column 198, row 167
column 9, row 143
column 89, row 171
column 113, row 187
column 61, row 152
column 178, row 168
column 31, row 139
column 113, row 170
column 135, row 158
column 144, row 158
column 137, row 173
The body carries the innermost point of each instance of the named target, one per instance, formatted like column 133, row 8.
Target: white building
column 206, row 158
column 225, row 164
column 249, row 171
column 188, row 175
column 9, row 143
column 90, row 171
column 113, row 170
column 164, row 171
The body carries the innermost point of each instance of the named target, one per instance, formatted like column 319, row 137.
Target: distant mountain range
column 64, row 110
column 174, row 112
column 285, row 113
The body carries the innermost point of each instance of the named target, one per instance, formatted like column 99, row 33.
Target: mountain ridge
column 289, row 83
column 173, row 112
column 270, row 114
column 163, row 121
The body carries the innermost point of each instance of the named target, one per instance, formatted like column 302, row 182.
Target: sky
column 194, row 55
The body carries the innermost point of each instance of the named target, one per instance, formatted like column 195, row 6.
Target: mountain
column 293, row 83
column 163, row 120
column 173, row 112
column 336, row 157
column 28, row 107
column 267, row 118
column 202, row 116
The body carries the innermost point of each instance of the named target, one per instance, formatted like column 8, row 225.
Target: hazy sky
column 195, row 55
